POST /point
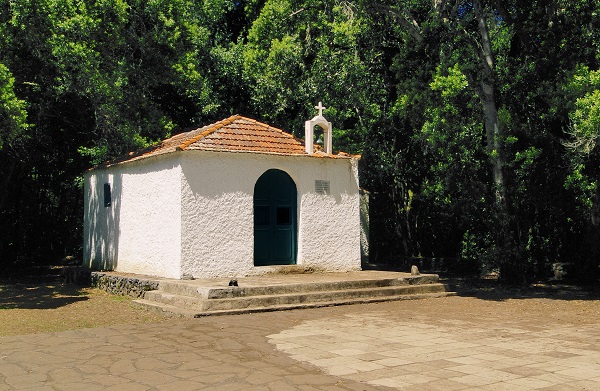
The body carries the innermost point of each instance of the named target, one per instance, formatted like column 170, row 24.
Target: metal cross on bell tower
column 309, row 131
column 320, row 108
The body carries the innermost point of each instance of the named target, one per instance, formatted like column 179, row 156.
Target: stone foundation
column 122, row 285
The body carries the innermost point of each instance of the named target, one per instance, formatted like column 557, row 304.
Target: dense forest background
column 477, row 120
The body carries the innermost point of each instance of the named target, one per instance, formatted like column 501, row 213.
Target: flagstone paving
column 452, row 343
column 382, row 349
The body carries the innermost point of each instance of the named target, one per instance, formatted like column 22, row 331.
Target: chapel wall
column 217, row 209
column 99, row 250
column 140, row 232
column 329, row 225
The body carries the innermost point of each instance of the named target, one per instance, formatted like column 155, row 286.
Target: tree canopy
column 478, row 121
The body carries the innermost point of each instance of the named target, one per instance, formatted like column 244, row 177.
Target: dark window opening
column 107, row 195
column 283, row 215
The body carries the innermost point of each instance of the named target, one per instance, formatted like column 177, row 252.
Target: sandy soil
column 30, row 307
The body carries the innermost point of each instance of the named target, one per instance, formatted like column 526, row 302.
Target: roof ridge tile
column 234, row 134
column 212, row 128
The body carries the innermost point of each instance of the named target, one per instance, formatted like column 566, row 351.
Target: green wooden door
column 275, row 229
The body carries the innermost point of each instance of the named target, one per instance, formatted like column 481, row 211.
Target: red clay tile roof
column 234, row 134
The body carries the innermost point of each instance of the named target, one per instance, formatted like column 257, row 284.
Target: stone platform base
column 194, row 298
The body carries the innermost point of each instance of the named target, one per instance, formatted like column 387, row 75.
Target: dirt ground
column 28, row 307
column 485, row 338
column 551, row 303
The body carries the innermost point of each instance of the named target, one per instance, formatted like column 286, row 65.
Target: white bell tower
column 309, row 131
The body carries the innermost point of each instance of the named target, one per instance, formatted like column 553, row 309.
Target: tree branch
column 486, row 44
column 405, row 19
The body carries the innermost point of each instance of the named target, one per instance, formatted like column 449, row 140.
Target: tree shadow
column 490, row 289
column 37, row 288
column 38, row 296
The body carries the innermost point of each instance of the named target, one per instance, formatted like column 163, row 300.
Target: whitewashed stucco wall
column 99, row 225
column 141, row 231
column 329, row 225
column 217, row 227
column 191, row 214
column 217, row 209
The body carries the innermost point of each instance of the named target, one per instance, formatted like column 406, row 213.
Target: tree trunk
column 8, row 169
column 403, row 229
column 494, row 142
column 512, row 268
column 490, row 111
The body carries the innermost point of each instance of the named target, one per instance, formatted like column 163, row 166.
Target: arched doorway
column 275, row 227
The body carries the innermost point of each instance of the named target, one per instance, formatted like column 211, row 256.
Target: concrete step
column 174, row 311
column 318, row 296
column 280, row 291
column 236, row 299
column 194, row 288
column 277, row 298
column 165, row 309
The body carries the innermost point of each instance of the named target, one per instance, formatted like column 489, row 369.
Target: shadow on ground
column 489, row 289
column 492, row 289
column 36, row 288
column 42, row 296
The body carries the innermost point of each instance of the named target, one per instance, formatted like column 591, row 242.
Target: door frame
column 272, row 212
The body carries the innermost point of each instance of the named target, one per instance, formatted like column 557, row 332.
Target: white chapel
column 234, row 198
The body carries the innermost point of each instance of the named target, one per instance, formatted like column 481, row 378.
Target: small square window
column 107, row 195
column 283, row 215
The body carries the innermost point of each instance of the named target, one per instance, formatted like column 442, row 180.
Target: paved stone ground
column 453, row 343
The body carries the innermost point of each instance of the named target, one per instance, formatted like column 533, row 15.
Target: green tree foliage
column 300, row 53
column 485, row 101
column 98, row 79
column 13, row 117
column 585, row 118
column 478, row 121
column 13, row 126
column 584, row 158
column 546, row 46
